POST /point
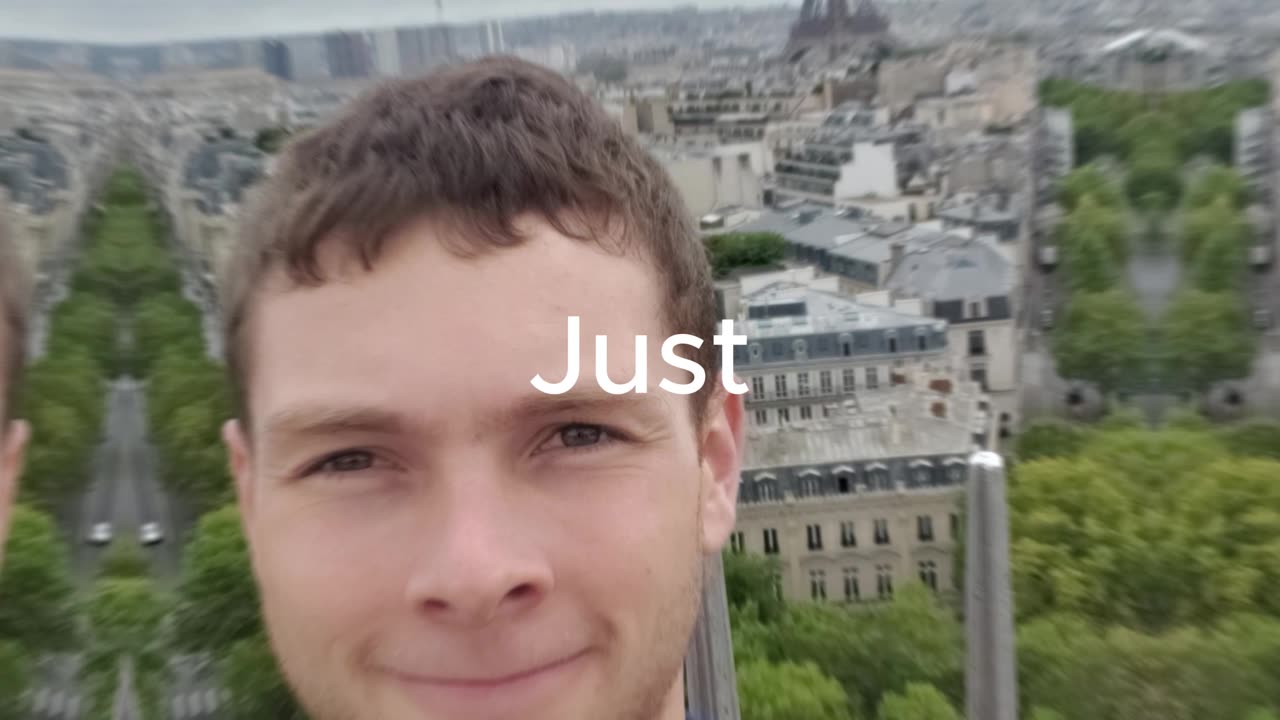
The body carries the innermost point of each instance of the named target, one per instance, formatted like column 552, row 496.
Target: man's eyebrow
column 320, row 419
column 589, row 401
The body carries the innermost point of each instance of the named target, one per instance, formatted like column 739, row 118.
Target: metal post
column 991, row 677
column 709, row 673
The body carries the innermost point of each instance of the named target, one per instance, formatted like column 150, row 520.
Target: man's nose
column 480, row 560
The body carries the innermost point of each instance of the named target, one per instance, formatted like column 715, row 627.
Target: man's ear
column 240, row 461
column 13, row 446
column 722, row 443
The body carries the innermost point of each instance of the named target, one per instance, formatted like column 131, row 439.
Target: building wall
column 711, row 181
column 901, row 557
column 873, row 172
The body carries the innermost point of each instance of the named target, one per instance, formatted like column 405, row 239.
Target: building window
column 955, row 472
column 955, row 526
column 802, row 384
column 924, row 528
column 762, row 417
column 771, row 541
column 873, row 378
column 922, row 343
column 757, row 387
column 845, row 482
column 818, row 584
column 979, row 375
column 882, row 532
column 755, row 352
column 737, row 543
column 929, row 574
column 852, row 592
column 975, row 310
column 977, row 343
column 848, row 537
column 800, row 348
column 824, row 382
column 884, row 581
column 850, row 384
column 846, row 347
column 784, row 416
column 815, row 537
column 780, row 385
column 893, row 344
column 806, row 412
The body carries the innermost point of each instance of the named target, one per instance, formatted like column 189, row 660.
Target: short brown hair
column 475, row 146
column 15, row 304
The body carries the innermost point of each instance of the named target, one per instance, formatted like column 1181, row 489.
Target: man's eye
column 581, row 435
column 352, row 461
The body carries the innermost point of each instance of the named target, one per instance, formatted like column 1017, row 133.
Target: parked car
column 149, row 534
column 100, row 534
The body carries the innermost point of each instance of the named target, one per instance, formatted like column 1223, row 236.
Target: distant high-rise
column 308, row 58
column 422, row 48
column 494, row 42
column 348, row 55
column 275, row 59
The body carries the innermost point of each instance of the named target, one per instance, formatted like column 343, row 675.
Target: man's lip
column 482, row 683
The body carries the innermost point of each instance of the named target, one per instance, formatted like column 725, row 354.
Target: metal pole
column 991, row 678
column 709, row 674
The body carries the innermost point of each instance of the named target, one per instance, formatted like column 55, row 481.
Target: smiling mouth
column 486, row 683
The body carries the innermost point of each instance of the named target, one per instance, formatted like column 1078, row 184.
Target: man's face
column 435, row 538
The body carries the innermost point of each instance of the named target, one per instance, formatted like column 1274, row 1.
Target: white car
column 100, row 534
column 149, row 534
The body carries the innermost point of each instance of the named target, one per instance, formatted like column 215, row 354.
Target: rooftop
column 785, row 309
column 890, row 424
column 949, row 266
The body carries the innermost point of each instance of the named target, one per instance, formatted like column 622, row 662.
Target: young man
column 434, row 537
column 14, row 301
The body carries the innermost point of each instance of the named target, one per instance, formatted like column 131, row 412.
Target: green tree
column 1258, row 438
column 1091, row 266
column 1220, row 263
column 912, row 638
column 250, row 673
column 1154, row 174
column 753, row 579
column 1103, row 339
column 35, row 586
column 1091, row 182
column 790, row 691
column 16, row 674
column 217, row 598
column 1218, row 220
column 1091, row 221
column 1208, row 338
column 917, row 702
column 124, row 560
column 1050, row 438
column 1219, row 182
column 731, row 251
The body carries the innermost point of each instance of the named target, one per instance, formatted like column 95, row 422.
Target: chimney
column 897, row 251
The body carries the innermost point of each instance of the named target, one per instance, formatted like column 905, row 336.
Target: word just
column 639, row 383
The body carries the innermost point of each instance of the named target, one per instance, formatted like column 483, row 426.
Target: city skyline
column 134, row 22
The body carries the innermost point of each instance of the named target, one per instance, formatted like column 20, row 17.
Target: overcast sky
column 146, row 21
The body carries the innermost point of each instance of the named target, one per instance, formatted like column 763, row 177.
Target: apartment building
column 861, row 503
column 812, row 354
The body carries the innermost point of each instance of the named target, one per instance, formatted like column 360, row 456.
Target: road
column 126, row 490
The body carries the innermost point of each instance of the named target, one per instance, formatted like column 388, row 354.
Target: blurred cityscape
column 1035, row 227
